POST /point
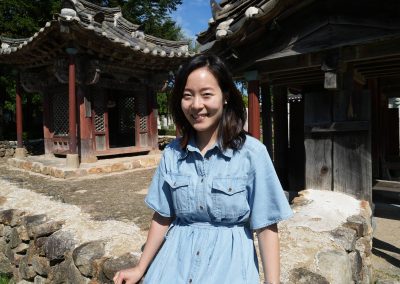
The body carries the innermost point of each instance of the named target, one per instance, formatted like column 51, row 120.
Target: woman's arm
column 268, row 242
column 158, row 228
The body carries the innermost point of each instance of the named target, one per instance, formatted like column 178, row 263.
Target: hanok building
column 98, row 74
column 332, row 69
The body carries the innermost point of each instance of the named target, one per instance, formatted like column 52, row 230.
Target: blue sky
column 192, row 16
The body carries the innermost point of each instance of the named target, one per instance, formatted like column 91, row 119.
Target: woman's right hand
column 130, row 276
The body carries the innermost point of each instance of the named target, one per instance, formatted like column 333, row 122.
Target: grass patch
column 4, row 279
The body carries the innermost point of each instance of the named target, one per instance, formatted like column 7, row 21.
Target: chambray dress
column 217, row 200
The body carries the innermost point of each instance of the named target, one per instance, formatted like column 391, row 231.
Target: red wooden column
column 72, row 101
column 72, row 157
column 152, row 118
column 18, row 106
column 254, row 103
column 47, row 125
column 19, row 151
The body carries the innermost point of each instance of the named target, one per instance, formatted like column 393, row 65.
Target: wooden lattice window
column 142, row 112
column 126, row 114
column 99, row 122
column 60, row 114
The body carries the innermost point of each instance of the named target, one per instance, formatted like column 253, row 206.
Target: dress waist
column 209, row 225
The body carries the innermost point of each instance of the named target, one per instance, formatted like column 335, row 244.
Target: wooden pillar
column 266, row 117
column 72, row 101
column 18, row 106
column 152, row 118
column 281, row 134
column 72, row 157
column 254, row 103
column 47, row 125
column 86, row 151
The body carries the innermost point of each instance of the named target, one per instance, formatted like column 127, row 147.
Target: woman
column 214, row 185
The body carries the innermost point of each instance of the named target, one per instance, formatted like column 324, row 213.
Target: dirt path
column 116, row 196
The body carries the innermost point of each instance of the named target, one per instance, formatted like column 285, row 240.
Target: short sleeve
column 267, row 200
column 159, row 195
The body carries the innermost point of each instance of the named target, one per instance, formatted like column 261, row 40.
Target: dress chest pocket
column 179, row 185
column 229, row 197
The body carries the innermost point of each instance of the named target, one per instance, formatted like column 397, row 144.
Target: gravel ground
column 118, row 196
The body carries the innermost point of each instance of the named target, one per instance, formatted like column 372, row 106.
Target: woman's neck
column 205, row 141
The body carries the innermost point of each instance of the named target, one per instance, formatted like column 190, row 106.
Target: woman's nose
column 197, row 102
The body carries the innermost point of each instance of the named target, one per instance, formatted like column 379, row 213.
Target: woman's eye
column 187, row 95
column 207, row 94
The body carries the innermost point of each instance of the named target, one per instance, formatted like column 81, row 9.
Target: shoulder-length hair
column 230, row 128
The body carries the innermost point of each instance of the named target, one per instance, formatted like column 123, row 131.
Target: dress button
column 198, row 252
column 201, row 207
column 201, row 180
column 230, row 189
column 190, row 280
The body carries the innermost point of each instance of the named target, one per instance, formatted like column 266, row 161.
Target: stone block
column 11, row 217
column 5, row 265
column 356, row 265
column 304, row 276
column 26, row 271
column 14, row 239
column 41, row 265
column 338, row 259
column 1, row 230
column 34, row 220
column 345, row 237
column 45, row 229
column 364, row 246
column 57, row 245
column 23, row 233
column 112, row 265
column 2, row 245
column 38, row 244
column 360, row 224
column 84, row 255
column 39, row 280
column 21, row 248
column 117, row 167
column 66, row 273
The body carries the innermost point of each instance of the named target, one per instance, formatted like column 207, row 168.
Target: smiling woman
column 213, row 187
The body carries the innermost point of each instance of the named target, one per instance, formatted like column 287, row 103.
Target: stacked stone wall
column 7, row 149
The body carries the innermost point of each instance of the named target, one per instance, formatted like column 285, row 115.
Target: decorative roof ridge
column 82, row 4
column 166, row 42
column 231, row 19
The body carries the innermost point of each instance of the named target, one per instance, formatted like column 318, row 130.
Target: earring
column 225, row 103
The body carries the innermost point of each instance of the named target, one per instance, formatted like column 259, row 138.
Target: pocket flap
column 176, row 181
column 229, row 185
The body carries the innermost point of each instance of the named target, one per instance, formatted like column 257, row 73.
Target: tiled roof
column 230, row 17
column 102, row 25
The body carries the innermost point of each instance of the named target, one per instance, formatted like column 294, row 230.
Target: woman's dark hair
column 230, row 129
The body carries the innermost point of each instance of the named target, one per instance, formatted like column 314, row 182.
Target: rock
column 84, row 255
column 26, row 271
column 5, row 265
column 57, row 245
column 34, row 220
column 11, row 217
column 24, row 282
column 112, row 265
column 1, row 230
column 66, row 273
column 303, row 276
column 45, row 229
column 337, row 259
column 39, row 280
column 364, row 246
column 2, row 245
column 359, row 224
column 345, row 237
column 21, row 248
column 41, row 265
column 14, row 239
column 23, row 233
column 356, row 265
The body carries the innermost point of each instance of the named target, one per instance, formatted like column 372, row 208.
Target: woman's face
column 202, row 102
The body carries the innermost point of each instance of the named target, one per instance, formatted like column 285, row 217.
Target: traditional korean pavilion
column 98, row 74
column 331, row 71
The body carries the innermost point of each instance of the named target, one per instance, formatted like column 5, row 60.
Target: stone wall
column 45, row 241
column 328, row 240
column 7, row 149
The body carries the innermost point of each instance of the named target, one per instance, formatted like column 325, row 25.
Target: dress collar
column 192, row 147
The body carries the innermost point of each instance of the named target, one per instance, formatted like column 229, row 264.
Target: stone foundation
column 7, row 149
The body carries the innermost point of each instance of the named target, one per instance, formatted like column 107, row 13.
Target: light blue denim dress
column 217, row 200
